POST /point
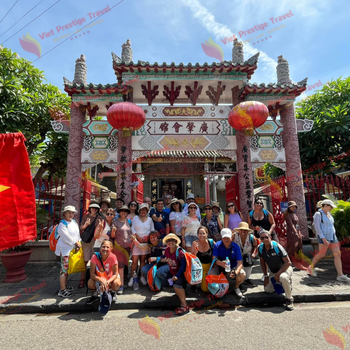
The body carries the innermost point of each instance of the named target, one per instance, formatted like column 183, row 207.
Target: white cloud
column 221, row 31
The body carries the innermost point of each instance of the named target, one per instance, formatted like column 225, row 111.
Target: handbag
column 217, row 284
column 89, row 232
column 247, row 260
column 76, row 261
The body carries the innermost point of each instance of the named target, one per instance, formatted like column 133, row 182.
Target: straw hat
column 215, row 204
column 175, row 200
column 70, row 208
column 181, row 202
column 124, row 207
column 291, row 204
column 171, row 236
column 144, row 205
column 243, row 226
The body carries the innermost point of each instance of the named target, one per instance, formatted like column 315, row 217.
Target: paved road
column 243, row 328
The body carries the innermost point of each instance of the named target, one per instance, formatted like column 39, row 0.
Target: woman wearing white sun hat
column 68, row 238
column 325, row 230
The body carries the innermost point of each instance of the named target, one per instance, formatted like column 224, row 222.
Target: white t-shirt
column 103, row 236
column 178, row 217
column 191, row 225
column 68, row 236
column 142, row 229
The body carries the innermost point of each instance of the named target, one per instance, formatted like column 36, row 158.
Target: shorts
column 181, row 282
column 64, row 265
column 189, row 240
column 88, row 249
column 331, row 241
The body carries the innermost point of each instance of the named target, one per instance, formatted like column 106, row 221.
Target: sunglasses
column 230, row 206
column 263, row 237
column 133, row 205
column 259, row 203
column 109, row 214
column 171, row 240
column 194, row 208
column 207, row 208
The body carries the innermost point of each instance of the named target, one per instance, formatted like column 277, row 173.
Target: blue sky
column 315, row 40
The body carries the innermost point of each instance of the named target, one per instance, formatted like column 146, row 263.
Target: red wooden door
column 232, row 190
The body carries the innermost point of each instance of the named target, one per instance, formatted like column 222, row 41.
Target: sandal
column 182, row 310
column 81, row 283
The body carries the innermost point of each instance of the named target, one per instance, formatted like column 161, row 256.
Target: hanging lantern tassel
column 249, row 132
column 127, row 132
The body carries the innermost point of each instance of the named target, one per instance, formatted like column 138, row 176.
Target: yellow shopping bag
column 76, row 261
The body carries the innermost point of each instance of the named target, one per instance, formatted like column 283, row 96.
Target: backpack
column 154, row 282
column 313, row 224
column 194, row 270
column 274, row 246
column 211, row 243
column 266, row 214
column 53, row 238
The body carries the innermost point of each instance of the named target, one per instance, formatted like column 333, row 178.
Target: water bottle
column 249, row 258
column 135, row 285
column 228, row 265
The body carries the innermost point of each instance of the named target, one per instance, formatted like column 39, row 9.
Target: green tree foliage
column 330, row 137
column 25, row 102
column 271, row 171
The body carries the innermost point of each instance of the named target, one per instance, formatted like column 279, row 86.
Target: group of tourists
column 221, row 240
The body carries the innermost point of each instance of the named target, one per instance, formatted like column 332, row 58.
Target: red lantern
column 126, row 116
column 248, row 116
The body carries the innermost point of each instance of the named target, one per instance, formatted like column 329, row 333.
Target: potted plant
column 341, row 216
column 14, row 261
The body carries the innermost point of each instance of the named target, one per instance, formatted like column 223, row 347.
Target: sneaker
column 131, row 282
column 311, row 271
column 94, row 297
column 64, row 293
column 143, row 281
column 238, row 292
column 249, row 282
column 69, row 288
column 343, row 278
column 114, row 297
column 120, row 291
column 289, row 305
column 241, row 288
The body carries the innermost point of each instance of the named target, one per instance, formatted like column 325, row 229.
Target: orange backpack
column 53, row 238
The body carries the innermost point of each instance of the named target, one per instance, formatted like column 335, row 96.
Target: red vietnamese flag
column 17, row 196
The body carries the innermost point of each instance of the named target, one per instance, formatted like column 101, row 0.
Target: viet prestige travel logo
column 333, row 337
column 31, row 45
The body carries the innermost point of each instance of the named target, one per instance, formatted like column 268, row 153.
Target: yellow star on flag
column 3, row 188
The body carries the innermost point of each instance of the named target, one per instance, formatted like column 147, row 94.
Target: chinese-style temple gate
column 186, row 144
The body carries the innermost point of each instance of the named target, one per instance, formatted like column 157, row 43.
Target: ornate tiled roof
column 274, row 88
column 183, row 154
column 248, row 67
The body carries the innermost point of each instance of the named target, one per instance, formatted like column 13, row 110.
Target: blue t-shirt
column 160, row 226
column 233, row 252
column 166, row 209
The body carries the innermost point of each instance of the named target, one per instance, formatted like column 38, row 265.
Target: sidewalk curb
column 170, row 302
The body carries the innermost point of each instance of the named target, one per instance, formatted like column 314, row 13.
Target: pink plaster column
column 293, row 172
column 75, row 146
column 245, row 174
column 124, row 178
